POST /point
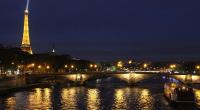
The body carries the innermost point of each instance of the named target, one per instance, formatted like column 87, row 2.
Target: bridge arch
column 94, row 78
column 130, row 78
column 54, row 79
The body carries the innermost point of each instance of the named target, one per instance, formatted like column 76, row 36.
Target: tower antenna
column 27, row 5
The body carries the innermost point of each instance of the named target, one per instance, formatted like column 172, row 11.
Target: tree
column 1, row 46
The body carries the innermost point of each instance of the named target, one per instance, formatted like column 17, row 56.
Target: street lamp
column 172, row 66
column 91, row 65
column 72, row 66
column 39, row 67
column 48, row 67
column 120, row 64
column 130, row 62
column 66, row 66
column 145, row 65
column 95, row 66
column 33, row 64
column 197, row 67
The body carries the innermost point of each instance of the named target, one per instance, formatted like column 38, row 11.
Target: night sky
column 107, row 29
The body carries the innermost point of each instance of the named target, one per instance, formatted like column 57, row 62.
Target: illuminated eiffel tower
column 26, row 45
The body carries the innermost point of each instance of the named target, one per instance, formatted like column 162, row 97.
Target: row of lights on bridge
column 119, row 64
column 48, row 67
column 172, row 66
column 93, row 66
column 71, row 66
column 39, row 66
column 145, row 65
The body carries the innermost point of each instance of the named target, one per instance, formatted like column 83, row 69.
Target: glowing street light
column 39, row 67
column 145, row 65
column 91, row 65
column 130, row 62
column 197, row 67
column 33, row 64
column 172, row 66
column 48, row 67
column 120, row 64
column 66, row 66
column 95, row 66
column 72, row 66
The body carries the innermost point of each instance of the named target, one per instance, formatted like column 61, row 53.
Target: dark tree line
column 11, row 58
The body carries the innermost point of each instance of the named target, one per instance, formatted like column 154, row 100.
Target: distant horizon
column 173, row 59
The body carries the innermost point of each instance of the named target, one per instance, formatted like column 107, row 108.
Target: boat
column 179, row 93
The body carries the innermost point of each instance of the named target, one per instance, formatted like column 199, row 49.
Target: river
column 106, row 94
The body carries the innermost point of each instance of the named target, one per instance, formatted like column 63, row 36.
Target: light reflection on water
column 68, row 98
column 93, row 99
column 197, row 96
column 39, row 99
column 87, row 98
column 120, row 99
column 11, row 103
column 73, row 98
column 145, row 100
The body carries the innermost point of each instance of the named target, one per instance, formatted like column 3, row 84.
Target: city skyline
column 99, row 55
column 102, row 31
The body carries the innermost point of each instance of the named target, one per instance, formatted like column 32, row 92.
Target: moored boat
column 179, row 93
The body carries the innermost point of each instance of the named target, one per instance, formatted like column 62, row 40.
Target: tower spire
column 27, row 5
column 26, row 45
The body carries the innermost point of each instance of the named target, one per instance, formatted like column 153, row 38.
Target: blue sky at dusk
column 107, row 29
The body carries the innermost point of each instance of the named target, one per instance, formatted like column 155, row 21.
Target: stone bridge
column 129, row 77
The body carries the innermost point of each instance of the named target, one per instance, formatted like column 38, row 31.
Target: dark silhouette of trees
column 11, row 58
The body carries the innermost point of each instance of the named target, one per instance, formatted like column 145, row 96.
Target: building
column 26, row 44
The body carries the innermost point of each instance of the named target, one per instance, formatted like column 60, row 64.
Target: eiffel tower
column 26, row 45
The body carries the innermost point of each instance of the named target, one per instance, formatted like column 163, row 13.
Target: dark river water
column 106, row 94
